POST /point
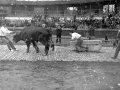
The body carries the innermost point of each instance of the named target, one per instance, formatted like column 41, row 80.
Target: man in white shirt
column 76, row 36
column 3, row 35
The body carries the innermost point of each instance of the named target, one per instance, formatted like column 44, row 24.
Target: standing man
column 76, row 36
column 91, row 32
column 3, row 35
column 106, row 38
column 58, row 34
column 118, row 46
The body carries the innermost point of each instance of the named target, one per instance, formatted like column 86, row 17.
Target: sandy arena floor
column 62, row 69
column 61, row 53
column 59, row 75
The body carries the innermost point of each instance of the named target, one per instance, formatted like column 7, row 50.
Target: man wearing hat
column 78, row 37
column 118, row 46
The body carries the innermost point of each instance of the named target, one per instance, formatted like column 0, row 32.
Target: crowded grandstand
column 68, row 13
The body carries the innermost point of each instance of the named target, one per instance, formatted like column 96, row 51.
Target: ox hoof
column 37, row 51
column 44, row 55
column 27, row 51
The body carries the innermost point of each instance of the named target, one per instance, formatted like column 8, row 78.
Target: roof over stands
column 47, row 2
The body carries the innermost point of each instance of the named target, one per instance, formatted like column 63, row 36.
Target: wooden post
column 90, row 9
column 57, row 10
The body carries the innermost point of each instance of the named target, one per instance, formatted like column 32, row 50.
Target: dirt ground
column 52, row 75
column 59, row 75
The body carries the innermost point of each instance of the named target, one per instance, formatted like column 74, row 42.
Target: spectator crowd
column 109, row 22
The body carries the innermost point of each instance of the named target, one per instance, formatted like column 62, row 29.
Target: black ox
column 35, row 34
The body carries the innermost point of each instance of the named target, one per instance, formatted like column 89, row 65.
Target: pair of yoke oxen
column 34, row 34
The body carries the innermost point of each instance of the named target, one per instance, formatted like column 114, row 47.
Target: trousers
column 79, row 43
column 58, row 39
column 117, row 49
column 8, row 42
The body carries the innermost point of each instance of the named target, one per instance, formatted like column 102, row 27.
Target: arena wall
column 98, row 33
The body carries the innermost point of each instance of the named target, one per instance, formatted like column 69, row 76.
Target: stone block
column 93, row 45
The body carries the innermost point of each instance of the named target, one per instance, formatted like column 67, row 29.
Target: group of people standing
column 75, row 36
column 91, row 35
column 4, row 32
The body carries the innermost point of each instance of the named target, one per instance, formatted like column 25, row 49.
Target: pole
column 57, row 9
column 90, row 9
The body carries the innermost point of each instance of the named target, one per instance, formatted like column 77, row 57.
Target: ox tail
column 52, row 45
column 50, row 39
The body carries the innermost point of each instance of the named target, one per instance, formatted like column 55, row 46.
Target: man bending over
column 76, row 36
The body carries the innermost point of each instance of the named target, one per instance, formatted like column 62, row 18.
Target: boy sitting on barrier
column 76, row 36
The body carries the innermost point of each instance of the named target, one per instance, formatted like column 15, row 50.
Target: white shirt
column 4, row 31
column 75, row 36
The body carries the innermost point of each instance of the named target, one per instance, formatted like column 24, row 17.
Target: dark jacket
column 91, row 31
column 58, row 31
